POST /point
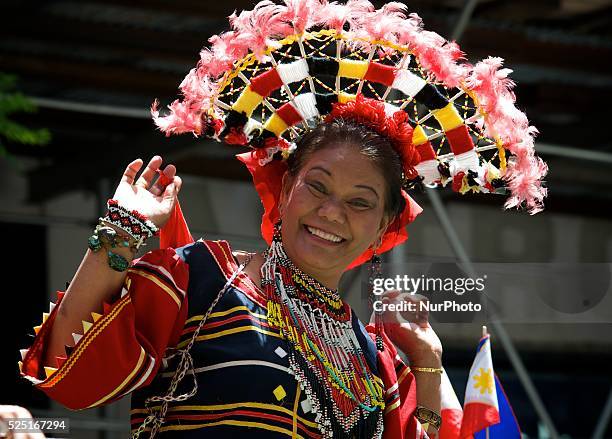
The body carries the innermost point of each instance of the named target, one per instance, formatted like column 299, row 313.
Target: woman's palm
column 155, row 201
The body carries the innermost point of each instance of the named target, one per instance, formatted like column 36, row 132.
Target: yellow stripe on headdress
column 418, row 135
column 247, row 102
column 275, row 124
column 448, row 117
column 343, row 98
column 350, row 68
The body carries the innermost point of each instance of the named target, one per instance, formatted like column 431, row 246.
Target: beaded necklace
column 324, row 354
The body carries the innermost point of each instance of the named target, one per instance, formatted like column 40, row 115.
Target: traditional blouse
column 245, row 387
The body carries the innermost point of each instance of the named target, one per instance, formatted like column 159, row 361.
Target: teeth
column 95, row 316
column 23, row 353
column 45, row 317
column 51, row 306
column 324, row 235
column 76, row 337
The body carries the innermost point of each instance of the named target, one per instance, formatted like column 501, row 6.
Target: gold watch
column 425, row 415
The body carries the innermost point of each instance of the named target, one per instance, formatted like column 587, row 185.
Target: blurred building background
column 94, row 68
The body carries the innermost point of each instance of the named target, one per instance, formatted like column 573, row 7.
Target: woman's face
column 332, row 211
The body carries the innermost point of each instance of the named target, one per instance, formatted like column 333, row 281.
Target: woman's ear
column 285, row 190
column 384, row 224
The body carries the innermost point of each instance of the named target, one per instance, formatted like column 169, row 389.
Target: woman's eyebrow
column 320, row 169
column 361, row 186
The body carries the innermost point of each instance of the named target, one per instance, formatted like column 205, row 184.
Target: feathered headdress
column 284, row 68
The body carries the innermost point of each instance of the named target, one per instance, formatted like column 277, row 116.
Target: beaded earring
column 375, row 271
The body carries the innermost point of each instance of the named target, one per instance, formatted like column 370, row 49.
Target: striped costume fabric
column 245, row 386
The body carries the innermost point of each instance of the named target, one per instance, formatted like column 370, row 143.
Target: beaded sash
column 324, row 353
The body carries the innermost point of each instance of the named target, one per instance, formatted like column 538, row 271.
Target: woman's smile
column 320, row 235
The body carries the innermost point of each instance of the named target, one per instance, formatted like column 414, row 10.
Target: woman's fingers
column 147, row 175
column 418, row 312
column 130, row 172
column 408, row 308
column 163, row 180
column 391, row 294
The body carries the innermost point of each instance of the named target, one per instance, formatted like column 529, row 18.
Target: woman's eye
column 360, row 204
column 317, row 187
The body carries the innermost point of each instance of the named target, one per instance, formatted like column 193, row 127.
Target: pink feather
column 335, row 15
column 197, row 86
column 439, row 57
column 182, row 118
column 226, row 49
column 301, row 14
column 256, row 28
column 382, row 24
column 525, row 170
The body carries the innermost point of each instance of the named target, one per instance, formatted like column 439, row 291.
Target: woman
column 338, row 199
column 209, row 340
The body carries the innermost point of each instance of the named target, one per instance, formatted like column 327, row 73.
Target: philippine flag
column 480, row 407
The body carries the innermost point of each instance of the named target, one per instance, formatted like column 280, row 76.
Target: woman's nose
column 332, row 209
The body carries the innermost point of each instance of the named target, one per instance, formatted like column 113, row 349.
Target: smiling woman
column 218, row 342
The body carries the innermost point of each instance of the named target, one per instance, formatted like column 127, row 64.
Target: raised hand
column 411, row 331
column 153, row 199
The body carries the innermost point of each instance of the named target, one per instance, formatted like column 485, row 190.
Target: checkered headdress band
column 277, row 73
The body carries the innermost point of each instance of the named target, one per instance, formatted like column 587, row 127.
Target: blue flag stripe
column 508, row 427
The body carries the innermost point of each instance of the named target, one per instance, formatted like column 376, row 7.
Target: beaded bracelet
column 105, row 236
column 135, row 224
column 108, row 236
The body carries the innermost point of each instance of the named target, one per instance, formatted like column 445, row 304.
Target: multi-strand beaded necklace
column 324, row 353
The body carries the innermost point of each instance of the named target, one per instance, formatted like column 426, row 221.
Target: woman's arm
column 95, row 282
column 414, row 336
column 428, row 386
column 123, row 348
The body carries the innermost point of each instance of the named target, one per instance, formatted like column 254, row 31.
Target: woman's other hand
column 155, row 199
column 411, row 331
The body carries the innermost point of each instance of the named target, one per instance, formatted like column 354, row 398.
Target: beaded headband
column 278, row 72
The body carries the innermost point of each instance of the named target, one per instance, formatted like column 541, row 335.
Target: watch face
column 429, row 416
column 423, row 413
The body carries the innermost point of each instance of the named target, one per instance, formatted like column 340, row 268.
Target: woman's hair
column 368, row 142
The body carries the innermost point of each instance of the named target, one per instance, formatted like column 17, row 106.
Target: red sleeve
column 400, row 393
column 121, row 349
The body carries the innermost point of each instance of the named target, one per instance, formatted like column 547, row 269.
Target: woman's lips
column 320, row 240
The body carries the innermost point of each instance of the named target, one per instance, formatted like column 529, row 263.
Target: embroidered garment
column 245, row 386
